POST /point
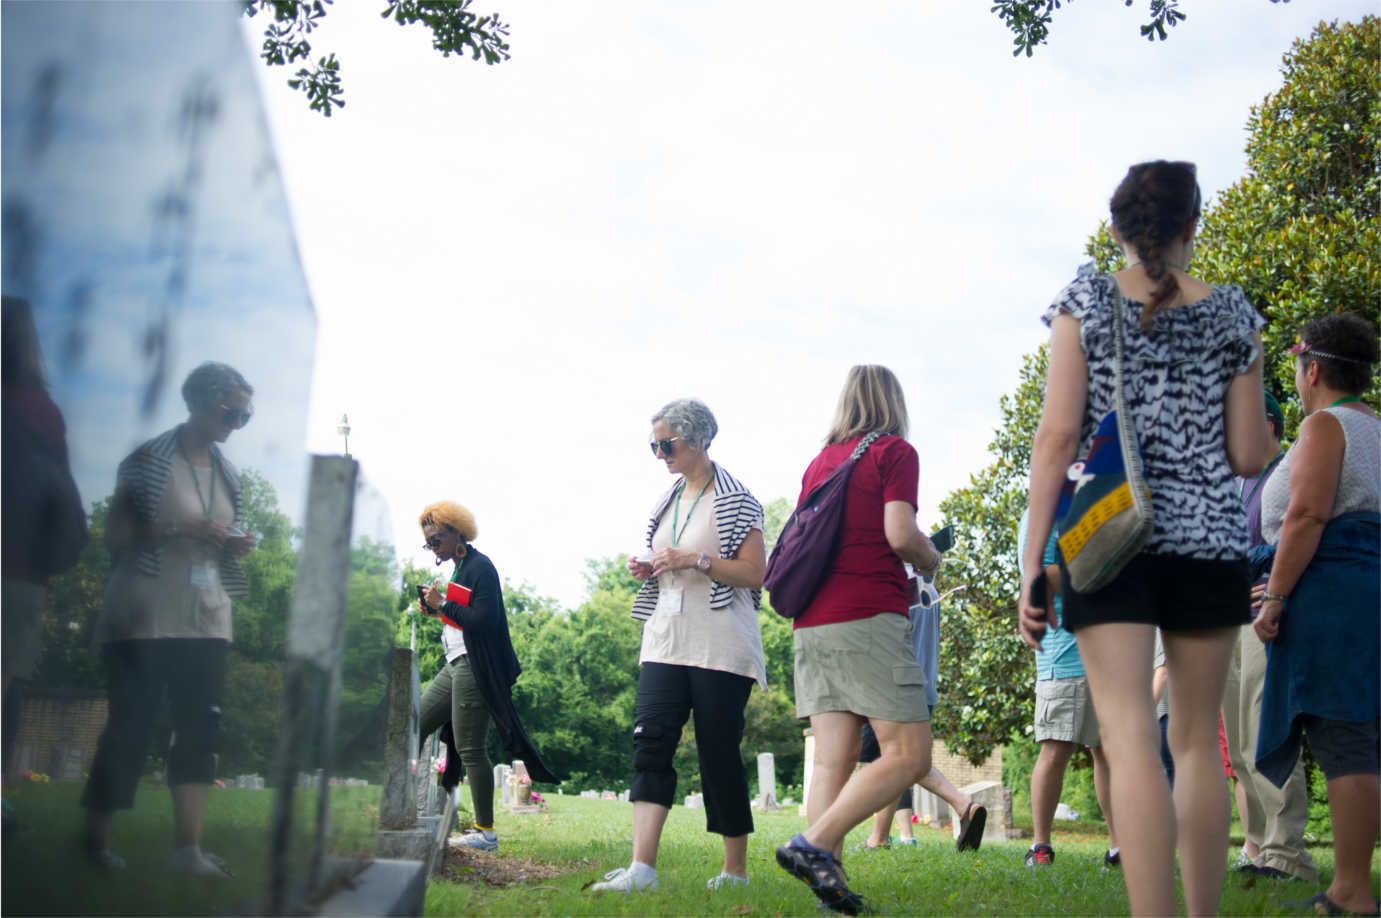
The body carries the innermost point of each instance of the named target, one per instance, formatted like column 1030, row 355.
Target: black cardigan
column 492, row 660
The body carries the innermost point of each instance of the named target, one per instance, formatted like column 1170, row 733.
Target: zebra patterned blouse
column 1176, row 380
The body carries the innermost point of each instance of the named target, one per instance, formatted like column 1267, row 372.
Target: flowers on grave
column 539, row 800
column 36, row 777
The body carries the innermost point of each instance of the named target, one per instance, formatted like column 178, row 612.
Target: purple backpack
column 805, row 549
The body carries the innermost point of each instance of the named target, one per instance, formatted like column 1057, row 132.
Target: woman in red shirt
column 853, row 660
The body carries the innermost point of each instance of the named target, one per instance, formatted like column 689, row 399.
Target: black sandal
column 1322, row 905
column 971, row 826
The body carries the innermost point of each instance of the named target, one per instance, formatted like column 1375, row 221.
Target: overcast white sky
column 514, row 266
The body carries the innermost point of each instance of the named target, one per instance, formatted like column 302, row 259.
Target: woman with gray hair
column 175, row 539
column 702, row 648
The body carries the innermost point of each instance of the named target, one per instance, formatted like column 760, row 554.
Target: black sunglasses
column 235, row 419
column 663, row 445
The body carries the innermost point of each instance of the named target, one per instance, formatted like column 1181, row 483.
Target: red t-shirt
column 866, row 578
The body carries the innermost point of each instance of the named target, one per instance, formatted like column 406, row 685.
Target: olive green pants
column 453, row 695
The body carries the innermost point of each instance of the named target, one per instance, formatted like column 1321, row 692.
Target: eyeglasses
column 434, row 542
column 663, row 445
column 235, row 419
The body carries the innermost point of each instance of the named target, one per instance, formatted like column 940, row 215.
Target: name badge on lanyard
column 670, row 599
column 204, row 576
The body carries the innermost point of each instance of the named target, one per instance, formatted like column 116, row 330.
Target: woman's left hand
column 434, row 599
column 1267, row 624
column 243, row 545
column 673, row 559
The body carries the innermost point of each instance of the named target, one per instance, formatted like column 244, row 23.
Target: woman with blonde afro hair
column 475, row 685
column 451, row 515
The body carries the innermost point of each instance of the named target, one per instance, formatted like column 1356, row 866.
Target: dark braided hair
column 1151, row 208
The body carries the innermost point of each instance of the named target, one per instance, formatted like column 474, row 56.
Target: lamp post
column 344, row 430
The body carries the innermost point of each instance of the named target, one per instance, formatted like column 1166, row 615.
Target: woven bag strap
column 863, row 445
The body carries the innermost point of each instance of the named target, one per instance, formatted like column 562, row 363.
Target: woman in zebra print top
column 1192, row 370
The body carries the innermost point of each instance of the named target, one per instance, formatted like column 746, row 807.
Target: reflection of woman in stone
column 174, row 537
column 475, row 683
column 44, row 524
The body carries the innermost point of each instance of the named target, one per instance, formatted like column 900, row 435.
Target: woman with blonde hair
column 853, row 659
column 475, row 684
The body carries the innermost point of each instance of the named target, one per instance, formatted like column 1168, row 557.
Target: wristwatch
column 703, row 565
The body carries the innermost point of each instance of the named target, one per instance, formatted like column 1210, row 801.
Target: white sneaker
column 726, row 879
column 1242, row 859
column 624, row 880
column 106, row 859
column 191, row 860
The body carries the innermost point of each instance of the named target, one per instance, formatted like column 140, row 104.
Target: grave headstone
column 397, row 807
column 68, row 762
column 695, row 801
column 502, row 774
column 990, row 795
column 401, row 833
column 767, row 780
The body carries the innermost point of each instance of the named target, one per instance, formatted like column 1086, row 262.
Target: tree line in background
column 1300, row 232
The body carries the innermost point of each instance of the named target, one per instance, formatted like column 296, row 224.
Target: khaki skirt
column 865, row 667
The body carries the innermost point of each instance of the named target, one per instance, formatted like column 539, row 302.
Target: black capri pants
column 193, row 670
column 667, row 695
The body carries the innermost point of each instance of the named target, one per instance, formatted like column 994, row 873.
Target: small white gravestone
column 695, row 801
column 1062, row 811
column 988, row 794
column 767, row 780
column 623, row 796
column 502, row 774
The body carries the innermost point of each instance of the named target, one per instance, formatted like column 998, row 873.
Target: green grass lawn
column 588, row 837
column 45, row 872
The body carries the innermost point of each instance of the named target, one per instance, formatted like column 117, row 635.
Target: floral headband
column 1303, row 347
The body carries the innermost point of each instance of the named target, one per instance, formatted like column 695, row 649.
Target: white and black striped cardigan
column 736, row 513
column 142, row 477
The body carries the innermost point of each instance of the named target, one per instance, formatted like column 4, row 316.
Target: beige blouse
column 689, row 632
column 187, row 598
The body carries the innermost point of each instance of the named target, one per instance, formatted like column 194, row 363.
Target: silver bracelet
column 1273, row 597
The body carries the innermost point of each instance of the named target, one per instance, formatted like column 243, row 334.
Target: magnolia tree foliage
column 986, row 672
column 1300, row 231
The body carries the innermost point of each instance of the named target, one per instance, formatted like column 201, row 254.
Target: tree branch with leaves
column 455, row 30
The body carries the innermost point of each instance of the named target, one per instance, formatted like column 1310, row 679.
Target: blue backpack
column 805, row 549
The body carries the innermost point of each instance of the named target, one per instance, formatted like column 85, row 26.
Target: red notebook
column 459, row 595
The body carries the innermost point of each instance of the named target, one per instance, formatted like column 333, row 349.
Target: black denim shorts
column 1173, row 592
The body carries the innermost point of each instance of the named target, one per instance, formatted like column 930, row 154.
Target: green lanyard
column 206, row 506
column 1344, row 400
column 676, row 515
